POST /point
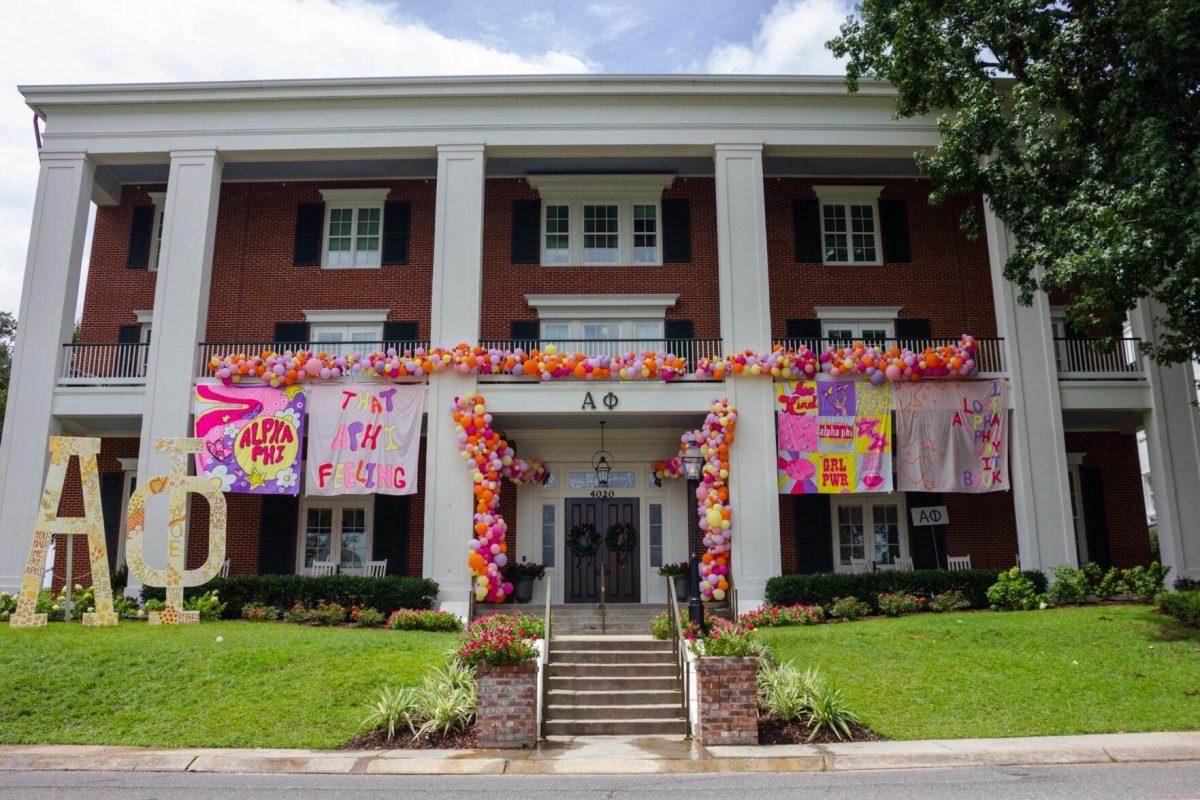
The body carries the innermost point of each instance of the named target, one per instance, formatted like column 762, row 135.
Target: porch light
column 602, row 461
column 693, row 462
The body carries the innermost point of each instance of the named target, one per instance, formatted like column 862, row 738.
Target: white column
column 1173, row 446
column 454, row 318
column 180, row 313
column 746, row 323
column 45, row 318
column 1037, row 468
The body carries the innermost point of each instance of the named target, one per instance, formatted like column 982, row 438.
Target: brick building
column 603, row 214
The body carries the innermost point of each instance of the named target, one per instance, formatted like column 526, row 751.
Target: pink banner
column 952, row 436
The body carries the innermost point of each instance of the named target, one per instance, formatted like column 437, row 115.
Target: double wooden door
column 622, row 575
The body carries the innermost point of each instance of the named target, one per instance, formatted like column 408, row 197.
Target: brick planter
column 506, row 716
column 726, row 701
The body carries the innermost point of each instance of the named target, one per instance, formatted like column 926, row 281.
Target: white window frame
column 336, row 504
column 628, row 311
column 847, row 196
column 622, row 191
column 348, row 320
column 356, row 200
column 1075, row 495
column 159, row 199
column 856, row 319
column 866, row 501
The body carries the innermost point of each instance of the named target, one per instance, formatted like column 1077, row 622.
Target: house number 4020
column 603, row 494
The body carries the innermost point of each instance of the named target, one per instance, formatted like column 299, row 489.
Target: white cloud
column 790, row 40
column 617, row 18
column 83, row 41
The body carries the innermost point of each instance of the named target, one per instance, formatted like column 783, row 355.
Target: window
column 843, row 332
column 600, row 234
column 353, row 228
column 617, row 479
column 645, row 234
column 337, row 530
column 656, row 535
column 558, row 235
column 548, row 532
column 868, row 530
column 849, row 224
column 159, row 199
column 333, row 332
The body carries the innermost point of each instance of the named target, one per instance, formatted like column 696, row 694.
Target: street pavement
column 1166, row 781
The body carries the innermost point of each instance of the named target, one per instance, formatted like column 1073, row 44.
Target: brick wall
column 948, row 281
column 727, row 706
column 507, row 283
column 507, row 713
column 1115, row 455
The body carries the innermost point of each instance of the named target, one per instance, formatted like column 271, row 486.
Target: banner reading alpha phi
column 251, row 437
column 953, row 436
column 834, row 437
column 364, row 438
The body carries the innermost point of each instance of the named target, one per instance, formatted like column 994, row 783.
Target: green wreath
column 583, row 540
column 621, row 538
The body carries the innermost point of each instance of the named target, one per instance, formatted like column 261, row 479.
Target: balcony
column 989, row 353
column 208, row 350
column 1090, row 359
column 104, row 364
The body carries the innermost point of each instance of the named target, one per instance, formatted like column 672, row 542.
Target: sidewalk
column 609, row 755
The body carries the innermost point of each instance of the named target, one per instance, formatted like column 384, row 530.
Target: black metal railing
column 691, row 349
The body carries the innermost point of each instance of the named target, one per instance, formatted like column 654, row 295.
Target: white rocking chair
column 858, row 565
column 376, row 569
column 903, row 565
column 958, row 562
column 224, row 573
column 320, row 569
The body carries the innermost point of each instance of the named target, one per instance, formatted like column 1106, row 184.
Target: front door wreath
column 583, row 540
column 621, row 539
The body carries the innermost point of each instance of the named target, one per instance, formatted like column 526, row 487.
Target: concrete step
column 600, row 630
column 604, row 697
column 638, row 668
column 626, row 643
column 612, row 656
column 649, row 711
column 590, row 681
column 616, row 727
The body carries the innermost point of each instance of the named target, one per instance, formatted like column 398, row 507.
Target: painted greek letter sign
column 364, row 438
column 953, row 436
column 252, row 437
column 834, row 437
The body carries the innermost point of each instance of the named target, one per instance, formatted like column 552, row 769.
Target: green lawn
column 984, row 674
column 264, row 685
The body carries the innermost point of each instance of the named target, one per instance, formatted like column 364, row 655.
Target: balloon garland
column 489, row 458
column 712, row 495
column 894, row 364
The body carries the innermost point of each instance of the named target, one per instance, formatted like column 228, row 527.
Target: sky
column 68, row 41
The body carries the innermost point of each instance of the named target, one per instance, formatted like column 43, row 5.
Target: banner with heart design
column 834, row 437
column 252, row 437
column 953, row 437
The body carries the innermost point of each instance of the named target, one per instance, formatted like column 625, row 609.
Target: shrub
column 673, row 570
column 1184, row 606
column 783, row 616
column 660, row 627
column 822, row 588
column 729, row 640
column 283, row 591
column 524, row 569
column 208, row 604
column 405, row 619
column 1186, row 584
column 1013, row 591
column 848, row 608
column 254, row 612
column 900, row 603
column 328, row 614
column 789, row 694
column 126, row 607
column 366, row 617
column 8, row 604
column 1071, row 585
column 1105, row 584
column 947, row 601
column 154, row 604
column 298, row 613
column 442, row 702
column 1144, row 583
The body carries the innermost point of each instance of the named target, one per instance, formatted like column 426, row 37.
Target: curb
column 618, row 755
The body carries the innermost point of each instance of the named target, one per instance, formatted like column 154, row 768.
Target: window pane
column 886, row 533
column 354, row 538
column 600, row 234
column 835, row 233
column 862, row 219
column 876, row 335
column 601, row 330
column 851, row 542
column 617, row 479
column 548, row 534
column 556, row 330
column 558, row 235
column 645, row 234
column 157, row 238
column 318, row 534
column 656, row 535
column 366, row 247
column 341, row 221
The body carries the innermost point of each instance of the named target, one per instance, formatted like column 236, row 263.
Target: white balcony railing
column 104, row 364
column 1098, row 359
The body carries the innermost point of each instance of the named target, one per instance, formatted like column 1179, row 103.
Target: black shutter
column 291, row 332
column 814, row 533
column 893, row 226
column 399, row 334
column 391, row 532
column 927, row 543
column 680, row 335
column 129, row 334
column 914, row 333
column 1095, row 515
column 806, row 229
column 808, row 331
column 397, row 221
column 677, row 231
column 277, row 534
column 141, row 229
column 310, row 220
column 525, row 332
column 526, row 231
column 111, row 490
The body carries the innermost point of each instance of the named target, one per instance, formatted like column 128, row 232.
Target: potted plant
column 523, row 574
column 679, row 573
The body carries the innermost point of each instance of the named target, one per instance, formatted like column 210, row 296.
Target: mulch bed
column 377, row 740
column 772, row 731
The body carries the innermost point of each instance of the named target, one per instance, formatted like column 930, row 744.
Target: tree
column 8, row 329
column 1080, row 122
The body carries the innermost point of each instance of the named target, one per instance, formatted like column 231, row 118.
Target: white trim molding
column 351, row 197
column 847, row 192
column 345, row 315
column 616, row 188
column 601, row 306
column 144, row 316
column 858, row 313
